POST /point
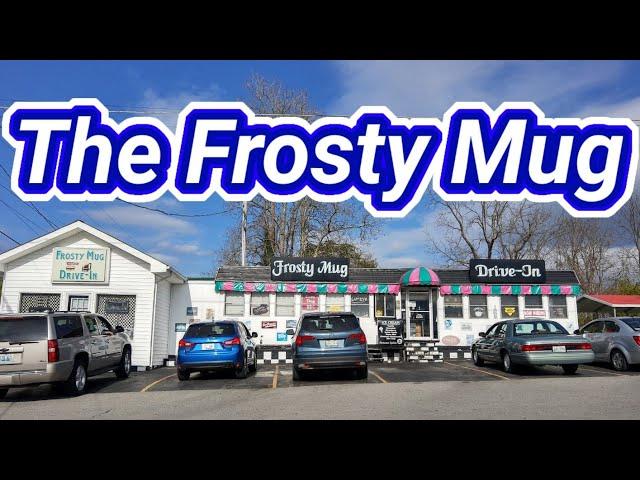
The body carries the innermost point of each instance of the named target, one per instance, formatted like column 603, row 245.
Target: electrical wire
column 173, row 214
column 10, row 238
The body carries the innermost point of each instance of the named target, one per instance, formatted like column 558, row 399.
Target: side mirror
column 576, row 332
column 291, row 331
column 106, row 332
column 482, row 334
column 254, row 334
column 119, row 329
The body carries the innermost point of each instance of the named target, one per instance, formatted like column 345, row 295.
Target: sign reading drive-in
column 507, row 271
column 80, row 265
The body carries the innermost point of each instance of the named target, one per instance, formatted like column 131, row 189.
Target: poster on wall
column 292, row 324
column 181, row 327
column 390, row 332
column 210, row 314
column 269, row 324
column 281, row 336
column 192, row 311
column 116, row 307
column 309, row 303
column 534, row 312
column 262, row 309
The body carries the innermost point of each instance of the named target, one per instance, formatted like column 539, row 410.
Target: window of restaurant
column 360, row 305
column 309, row 302
column 385, row 305
column 509, row 306
column 533, row 301
column 260, row 304
column 478, row 306
column 453, row 306
column 335, row 302
column 285, row 305
column 558, row 306
column 234, row 303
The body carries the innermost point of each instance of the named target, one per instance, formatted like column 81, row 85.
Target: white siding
column 129, row 276
column 161, row 328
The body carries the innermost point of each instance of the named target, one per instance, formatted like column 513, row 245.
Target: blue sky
column 409, row 88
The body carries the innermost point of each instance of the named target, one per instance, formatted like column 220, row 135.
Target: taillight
column 184, row 343
column 300, row 339
column 547, row 347
column 582, row 346
column 358, row 338
column 233, row 341
column 534, row 348
column 53, row 353
column 637, row 339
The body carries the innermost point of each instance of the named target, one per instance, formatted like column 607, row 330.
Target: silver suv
column 62, row 348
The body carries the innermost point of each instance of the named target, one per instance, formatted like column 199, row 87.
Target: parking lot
column 452, row 389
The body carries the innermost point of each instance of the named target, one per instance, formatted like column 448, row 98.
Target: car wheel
column 507, row 364
column 184, row 375
column 570, row 369
column 254, row 366
column 297, row 375
column 76, row 384
column 477, row 361
column 619, row 361
column 124, row 369
column 242, row 372
column 3, row 392
column 363, row 373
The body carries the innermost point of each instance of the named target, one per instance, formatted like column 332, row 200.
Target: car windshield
column 331, row 323
column 211, row 330
column 538, row 327
column 632, row 322
column 23, row 329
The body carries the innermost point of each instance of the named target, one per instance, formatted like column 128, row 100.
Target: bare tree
column 465, row 230
column 305, row 227
column 628, row 220
column 582, row 245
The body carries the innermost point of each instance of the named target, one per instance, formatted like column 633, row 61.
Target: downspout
column 153, row 318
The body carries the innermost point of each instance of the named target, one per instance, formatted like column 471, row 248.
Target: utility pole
column 244, row 234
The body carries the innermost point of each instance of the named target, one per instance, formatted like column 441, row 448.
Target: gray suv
column 62, row 348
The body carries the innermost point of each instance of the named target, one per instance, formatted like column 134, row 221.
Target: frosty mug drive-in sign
column 507, row 271
column 317, row 269
column 80, row 265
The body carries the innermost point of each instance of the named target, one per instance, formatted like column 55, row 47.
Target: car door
column 594, row 333
column 97, row 344
column 250, row 345
column 610, row 334
column 484, row 343
column 497, row 341
column 115, row 343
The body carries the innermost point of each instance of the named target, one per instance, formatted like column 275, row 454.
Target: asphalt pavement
column 449, row 390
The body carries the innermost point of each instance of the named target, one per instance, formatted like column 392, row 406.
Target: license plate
column 331, row 343
column 208, row 346
column 559, row 348
column 9, row 358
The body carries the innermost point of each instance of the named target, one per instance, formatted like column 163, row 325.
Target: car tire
column 297, row 375
column 184, row 375
column 124, row 369
column 253, row 367
column 477, row 361
column 244, row 371
column 619, row 361
column 363, row 373
column 3, row 392
column 507, row 363
column 570, row 369
column 76, row 384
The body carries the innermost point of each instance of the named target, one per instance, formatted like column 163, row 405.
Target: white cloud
column 185, row 248
column 137, row 217
column 428, row 88
column 168, row 259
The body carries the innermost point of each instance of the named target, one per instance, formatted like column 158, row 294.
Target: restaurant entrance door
column 418, row 313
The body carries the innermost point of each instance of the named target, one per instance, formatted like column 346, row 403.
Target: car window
column 246, row 330
column 330, row 323
column 595, row 327
column 23, row 329
column 105, row 325
column 500, row 330
column 92, row 325
column 205, row 330
column 538, row 327
column 632, row 322
column 491, row 331
column 611, row 327
column 68, row 326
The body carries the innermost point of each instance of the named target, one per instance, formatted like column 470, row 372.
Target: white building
column 78, row 267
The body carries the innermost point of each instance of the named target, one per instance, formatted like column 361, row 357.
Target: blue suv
column 217, row 345
column 327, row 341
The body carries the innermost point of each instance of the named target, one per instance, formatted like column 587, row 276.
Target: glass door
column 418, row 314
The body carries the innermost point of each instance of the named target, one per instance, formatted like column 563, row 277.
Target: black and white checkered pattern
column 423, row 351
column 456, row 353
column 273, row 355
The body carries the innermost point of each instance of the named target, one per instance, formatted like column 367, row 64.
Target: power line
column 25, row 217
column 19, row 215
column 173, row 214
column 10, row 238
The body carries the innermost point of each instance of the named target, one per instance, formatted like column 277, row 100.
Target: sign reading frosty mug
column 80, row 265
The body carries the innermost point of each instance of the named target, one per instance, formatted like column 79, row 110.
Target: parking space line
column 151, row 385
column 274, row 384
column 378, row 376
column 582, row 367
column 478, row 370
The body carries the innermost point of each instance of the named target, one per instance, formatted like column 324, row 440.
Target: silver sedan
column 531, row 342
column 614, row 340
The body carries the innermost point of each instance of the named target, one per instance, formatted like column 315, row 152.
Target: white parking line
column 478, row 370
column 582, row 367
